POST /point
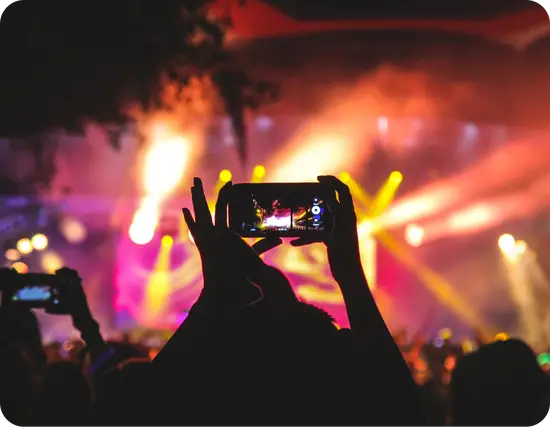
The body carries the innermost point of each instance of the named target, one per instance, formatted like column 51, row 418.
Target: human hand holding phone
column 225, row 256
column 279, row 210
column 342, row 242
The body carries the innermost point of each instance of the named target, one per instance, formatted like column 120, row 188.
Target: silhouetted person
column 499, row 384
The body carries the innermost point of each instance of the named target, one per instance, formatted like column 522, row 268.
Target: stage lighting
column 396, row 177
column 507, row 244
column 414, row 235
column 467, row 346
column 258, row 172
column 20, row 267
column 13, row 255
column 73, row 230
column 51, row 262
column 225, row 175
column 521, row 247
column 446, row 333
column 502, row 336
column 167, row 241
column 141, row 233
column 345, row 177
column 24, row 246
column 39, row 242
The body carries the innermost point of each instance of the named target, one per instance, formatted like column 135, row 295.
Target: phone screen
column 33, row 293
column 36, row 291
column 286, row 210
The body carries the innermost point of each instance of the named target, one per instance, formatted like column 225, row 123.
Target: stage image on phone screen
column 33, row 293
column 282, row 212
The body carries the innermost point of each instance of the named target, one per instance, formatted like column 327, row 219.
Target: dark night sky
column 399, row 9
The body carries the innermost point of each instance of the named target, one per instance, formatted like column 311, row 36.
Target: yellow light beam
column 439, row 287
column 385, row 195
column 158, row 286
column 435, row 283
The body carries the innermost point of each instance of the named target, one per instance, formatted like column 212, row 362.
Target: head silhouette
column 64, row 396
column 16, row 385
column 19, row 328
column 499, row 384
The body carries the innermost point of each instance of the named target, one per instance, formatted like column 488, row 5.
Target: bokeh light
column 225, row 175
column 39, row 242
column 24, row 246
column 259, row 171
column 507, row 244
column 446, row 333
column 396, row 177
column 12, row 255
column 414, row 235
column 502, row 336
column 51, row 262
column 167, row 241
column 20, row 267
column 141, row 232
column 73, row 230
column 521, row 247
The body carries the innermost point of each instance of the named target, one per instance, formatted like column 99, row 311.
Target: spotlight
column 141, row 233
column 51, row 262
column 73, row 230
column 258, row 172
column 225, row 175
column 24, row 246
column 414, row 235
column 39, row 242
column 13, row 255
column 20, row 267
column 502, row 336
column 345, row 177
column 507, row 244
column 446, row 333
column 521, row 247
column 396, row 177
column 167, row 241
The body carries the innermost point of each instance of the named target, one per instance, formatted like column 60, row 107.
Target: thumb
column 265, row 245
column 303, row 241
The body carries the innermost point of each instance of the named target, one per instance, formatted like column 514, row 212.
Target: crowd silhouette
column 233, row 359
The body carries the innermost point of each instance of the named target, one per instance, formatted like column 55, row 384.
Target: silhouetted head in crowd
column 121, row 394
column 121, row 352
column 499, row 384
column 63, row 396
column 19, row 328
column 16, row 385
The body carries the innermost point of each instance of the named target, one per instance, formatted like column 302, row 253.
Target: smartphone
column 36, row 290
column 282, row 210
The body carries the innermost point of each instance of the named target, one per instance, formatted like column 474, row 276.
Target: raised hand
column 343, row 242
column 225, row 256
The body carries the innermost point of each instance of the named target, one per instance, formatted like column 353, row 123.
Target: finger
column 303, row 241
column 221, row 205
column 343, row 190
column 264, row 245
column 200, row 205
column 344, row 193
column 331, row 201
column 189, row 221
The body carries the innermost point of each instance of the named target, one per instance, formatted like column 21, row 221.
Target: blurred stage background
column 444, row 155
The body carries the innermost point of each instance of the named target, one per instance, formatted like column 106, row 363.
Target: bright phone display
column 286, row 210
